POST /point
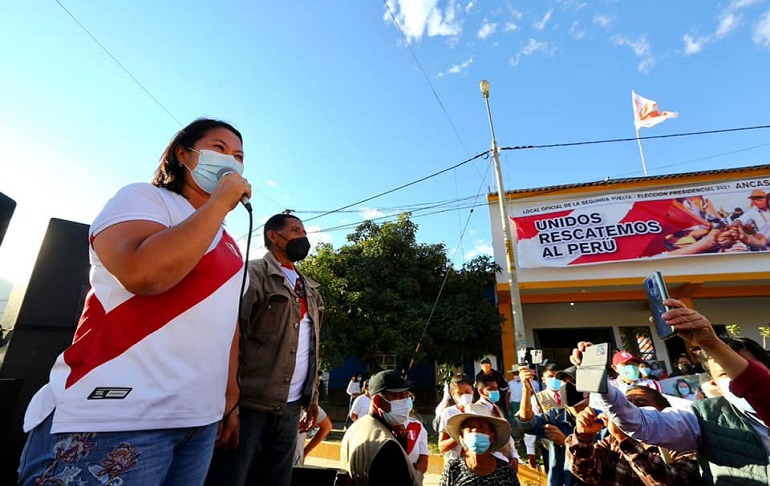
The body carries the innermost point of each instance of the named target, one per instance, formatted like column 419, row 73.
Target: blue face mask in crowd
column 210, row 165
column 476, row 442
column 494, row 396
column 553, row 383
column 630, row 372
column 741, row 403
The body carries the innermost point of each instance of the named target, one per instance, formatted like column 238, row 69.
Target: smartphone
column 656, row 291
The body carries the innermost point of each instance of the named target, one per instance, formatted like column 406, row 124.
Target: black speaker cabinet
column 44, row 327
column 7, row 206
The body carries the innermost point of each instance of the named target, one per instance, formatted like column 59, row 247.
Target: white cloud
column 510, row 26
column 727, row 23
column 270, row 182
column 761, row 34
column 368, row 213
column 481, row 248
column 544, row 21
column 693, row 45
column 487, row 29
column 739, row 4
column 576, row 32
column 469, row 7
column 458, row 68
column 516, row 14
column 641, row 49
column 420, row 17
column 602, row 21
column 530, row 48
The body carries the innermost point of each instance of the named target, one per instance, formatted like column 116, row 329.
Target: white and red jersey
column 147, row 362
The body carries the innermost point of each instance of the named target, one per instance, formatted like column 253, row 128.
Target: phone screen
column 656, row 294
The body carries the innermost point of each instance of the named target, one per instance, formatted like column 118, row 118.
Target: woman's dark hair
column 277, row 222
column 679, row 382
column 753, row 347
column 460, row 379
column 170, row 173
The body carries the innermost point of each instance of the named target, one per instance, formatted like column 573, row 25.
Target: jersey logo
column 109, row 393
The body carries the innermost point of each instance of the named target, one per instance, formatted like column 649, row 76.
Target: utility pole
column 520, row 340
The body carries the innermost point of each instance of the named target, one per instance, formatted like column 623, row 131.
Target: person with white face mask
column 728, row 432
column 371, row 451
column 480, row 434
column 461, row 389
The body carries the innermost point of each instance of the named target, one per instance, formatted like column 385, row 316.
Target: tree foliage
column 379, row 290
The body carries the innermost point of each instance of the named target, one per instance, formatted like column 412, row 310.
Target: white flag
column 646, row 112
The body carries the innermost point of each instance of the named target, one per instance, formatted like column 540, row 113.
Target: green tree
column 379, row 290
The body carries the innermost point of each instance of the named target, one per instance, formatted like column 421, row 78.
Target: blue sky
column 334, row 108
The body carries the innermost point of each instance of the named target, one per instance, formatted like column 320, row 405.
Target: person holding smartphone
column 729, row 434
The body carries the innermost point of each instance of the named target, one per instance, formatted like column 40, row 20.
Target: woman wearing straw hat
column 480, row 434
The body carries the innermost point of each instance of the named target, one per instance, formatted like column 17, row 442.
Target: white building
column 582, row 251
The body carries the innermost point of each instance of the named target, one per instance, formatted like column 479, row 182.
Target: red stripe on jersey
column 102, row 336
column 412, row 433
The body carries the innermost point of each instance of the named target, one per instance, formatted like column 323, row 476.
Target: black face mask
column 297, row 248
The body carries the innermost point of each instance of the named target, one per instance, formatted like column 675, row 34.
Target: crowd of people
column 190, row 366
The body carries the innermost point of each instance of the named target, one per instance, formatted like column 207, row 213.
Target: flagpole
column 641, row 152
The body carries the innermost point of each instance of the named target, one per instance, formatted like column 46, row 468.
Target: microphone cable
column 241, row 332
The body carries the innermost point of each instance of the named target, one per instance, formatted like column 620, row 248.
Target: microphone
column 244, row 199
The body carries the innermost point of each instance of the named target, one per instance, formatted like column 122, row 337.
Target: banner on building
column 720, row 218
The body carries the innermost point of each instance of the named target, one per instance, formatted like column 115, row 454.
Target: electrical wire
column 427, row 79
column 633, row 139
column 125, row 70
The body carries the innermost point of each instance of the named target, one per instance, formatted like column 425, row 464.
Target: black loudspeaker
column 7, row 206
column 44, row 327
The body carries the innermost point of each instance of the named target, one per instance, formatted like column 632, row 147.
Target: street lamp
column 520, row 340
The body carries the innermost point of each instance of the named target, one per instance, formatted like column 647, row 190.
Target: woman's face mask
column 464, row 400
column 211, row 167
column 644, row 371
column 476, row 442
column 494, row 396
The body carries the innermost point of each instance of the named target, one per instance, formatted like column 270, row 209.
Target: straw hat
column 479, row 410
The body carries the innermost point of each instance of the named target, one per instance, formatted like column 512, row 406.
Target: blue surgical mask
column 553, row 383
column 476, row 442
column 644, row 371
column 630, row 372
column 211, row 167
column 494, row 396
column 741, row 403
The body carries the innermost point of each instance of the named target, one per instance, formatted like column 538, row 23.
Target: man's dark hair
column 170, row 173
column 277, row 222
column 550, row 367
column 484, row 380
column 654, row 395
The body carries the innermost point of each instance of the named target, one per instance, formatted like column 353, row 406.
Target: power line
column 125, row 70
column 633, row 139
column 403, row 186
column 427, row 79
